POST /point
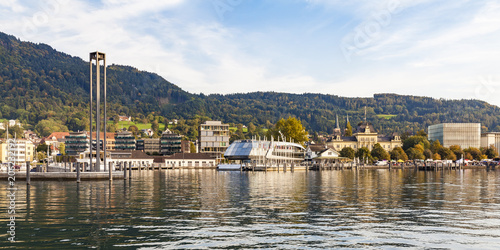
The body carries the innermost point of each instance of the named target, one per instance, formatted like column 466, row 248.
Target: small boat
column 229, row 167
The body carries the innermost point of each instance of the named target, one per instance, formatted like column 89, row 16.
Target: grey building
column 148, row 145
column 464, row 135
column 76, row 143
column 124, row 140
column 170, row 143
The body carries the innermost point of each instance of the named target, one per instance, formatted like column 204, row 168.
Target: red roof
column 57, row 135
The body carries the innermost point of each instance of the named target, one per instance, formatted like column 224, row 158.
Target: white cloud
column 202, row 53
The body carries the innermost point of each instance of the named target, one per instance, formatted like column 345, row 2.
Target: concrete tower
column 97, row 57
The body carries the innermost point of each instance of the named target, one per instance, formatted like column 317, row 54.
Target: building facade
column 170, row 143
column 19, row 151
column 190, row 160
column 489, row 139
column 365, row 136
column 124, row 140
column 213, row 138
column 76, row 143
column 149, row 145
column 465, row 135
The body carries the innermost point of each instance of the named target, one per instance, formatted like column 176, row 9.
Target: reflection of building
column 491, row 138
column 170, row 143
column 214, row 138
column 464, row 135
column 124, row 140
column 365, row 136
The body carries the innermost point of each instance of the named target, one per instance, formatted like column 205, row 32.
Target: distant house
column 313, row 150
column 124, row 118
column 13, row 123
column 148, row 132
column 174, row 121
column 329, row 155
column 55, row 138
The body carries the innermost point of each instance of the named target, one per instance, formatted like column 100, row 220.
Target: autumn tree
column 490, row 152
column 414, row 153
column 291, row 128
column 348, row 153
column 447, row 154
column 363, row 153
column 62, row 148
column 474, row 153
column 435, row 146
column 192, row 147
column 398, row 153
column 379, row 153
column 412, row 141
column 348, row 129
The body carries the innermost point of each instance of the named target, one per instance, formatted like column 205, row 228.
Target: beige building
column 465, row 135
column 214, row 138
column 491, row 138
column 21, row 151
column 365, row 136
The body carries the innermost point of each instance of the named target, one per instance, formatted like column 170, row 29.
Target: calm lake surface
column 458, row 209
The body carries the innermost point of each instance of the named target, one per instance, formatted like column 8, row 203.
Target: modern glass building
column 464, row 135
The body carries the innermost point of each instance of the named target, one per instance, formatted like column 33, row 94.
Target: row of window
column 369, row 146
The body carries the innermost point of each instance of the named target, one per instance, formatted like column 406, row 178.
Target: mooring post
column 110, row 172
column 129, row 170
column 78, row 172
column 28, row 169
column 124, row 170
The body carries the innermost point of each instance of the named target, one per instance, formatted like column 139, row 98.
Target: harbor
column 204, row 209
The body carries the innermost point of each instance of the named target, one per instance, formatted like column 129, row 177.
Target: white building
column 491, row 138
column 190, row 160
column 17, row 151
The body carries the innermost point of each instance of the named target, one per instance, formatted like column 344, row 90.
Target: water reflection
column 209, row 209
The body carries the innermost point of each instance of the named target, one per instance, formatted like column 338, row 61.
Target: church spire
column 337, row 121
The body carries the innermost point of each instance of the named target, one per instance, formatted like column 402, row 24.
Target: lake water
column 458, row 209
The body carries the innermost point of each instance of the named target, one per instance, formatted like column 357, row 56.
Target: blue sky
column 443, row 49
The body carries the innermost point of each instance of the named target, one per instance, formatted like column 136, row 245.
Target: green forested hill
column 49, row 90
column 318, row 111
column 38, row 83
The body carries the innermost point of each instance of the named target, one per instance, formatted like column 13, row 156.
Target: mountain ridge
column 38, row 83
